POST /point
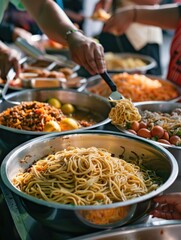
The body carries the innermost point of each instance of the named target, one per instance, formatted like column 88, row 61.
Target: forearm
column 146, row 2
column 46, row 13
column 164, row 16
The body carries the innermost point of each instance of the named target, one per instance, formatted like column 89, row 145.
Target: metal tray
column 46, row 65
column 149, row 62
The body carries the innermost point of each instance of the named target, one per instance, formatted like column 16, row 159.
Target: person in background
column 166, row 16
column 74, row 10
column 57, row 26
column 138, row 38
column 9, row 33
column 8, row 57
column 20, row 19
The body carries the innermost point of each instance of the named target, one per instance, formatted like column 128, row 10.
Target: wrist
column 72, row 32
column 134, row 14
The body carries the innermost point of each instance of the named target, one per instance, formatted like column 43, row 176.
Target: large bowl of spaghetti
column 89, row 180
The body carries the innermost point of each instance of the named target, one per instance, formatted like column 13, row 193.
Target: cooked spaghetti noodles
column 124, row 112
column 84, row 176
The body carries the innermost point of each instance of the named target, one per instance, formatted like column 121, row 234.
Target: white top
column 139, row 35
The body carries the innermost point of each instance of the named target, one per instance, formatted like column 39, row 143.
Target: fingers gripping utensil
column 10, row 76
column 115, row 95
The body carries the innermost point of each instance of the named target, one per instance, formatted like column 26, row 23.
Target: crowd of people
column 129, row 23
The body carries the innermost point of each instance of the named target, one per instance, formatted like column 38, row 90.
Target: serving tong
column 115, row 95
column 38, row 54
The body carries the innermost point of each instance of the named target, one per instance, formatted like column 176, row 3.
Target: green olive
column 54, row 102
column 67, row 108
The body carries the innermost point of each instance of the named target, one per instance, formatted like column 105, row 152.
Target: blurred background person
column 166, row 17
column 20, row 19
column 58, row 27
column 75, row 11
column 9, row 33
column 138, row 38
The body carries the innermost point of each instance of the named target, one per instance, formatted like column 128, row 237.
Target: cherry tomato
column 143, row 125
column 157, row 131
column 161, row 140
column 132, row 131
column 144, row 132
column 166, row 136
column 174, row 139
column 135, row 126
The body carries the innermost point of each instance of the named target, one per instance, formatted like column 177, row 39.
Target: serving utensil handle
column 108, row 80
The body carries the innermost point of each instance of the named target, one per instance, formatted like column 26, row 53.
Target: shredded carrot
column 138, row 88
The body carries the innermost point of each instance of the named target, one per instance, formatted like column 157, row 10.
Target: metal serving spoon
column 115, row 95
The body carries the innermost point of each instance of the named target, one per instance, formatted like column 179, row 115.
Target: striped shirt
column 174, row 70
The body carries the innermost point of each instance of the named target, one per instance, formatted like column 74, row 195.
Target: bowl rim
column 110, row 233
column 153, row 103
column 92, row 79
column 148, row 196
column 36, row 133
column 23, row 60
column 151, row 62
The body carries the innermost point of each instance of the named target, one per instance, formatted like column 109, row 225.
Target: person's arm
column 50, row 17
column 8, row 59
column 146, row 2
column 103, row 4
column 169, row 206
column 55, row 24
column 75, row 17
column 164, row 16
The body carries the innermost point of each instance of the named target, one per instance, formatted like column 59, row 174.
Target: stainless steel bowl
column 98, row 105
column 73, row 218
column 94, row 82
column 150, row 63
column 161, row 232
column 161, row 107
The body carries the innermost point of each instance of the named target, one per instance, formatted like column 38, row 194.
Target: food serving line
column 29, row 228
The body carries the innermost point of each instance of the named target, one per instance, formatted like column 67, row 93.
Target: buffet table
column 17, row 224
column 21, row 225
